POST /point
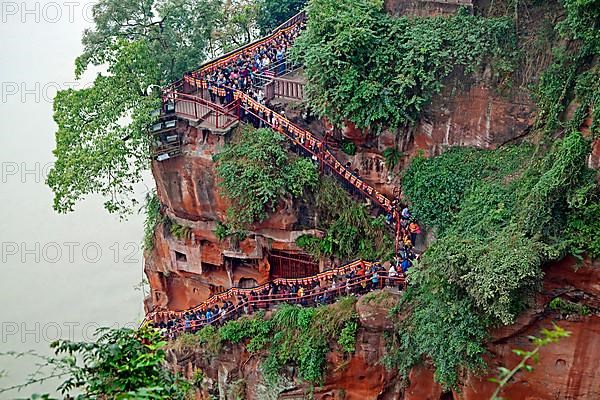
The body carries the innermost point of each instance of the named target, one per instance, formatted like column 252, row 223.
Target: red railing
column 198, row 108
column 233, row 292
column 231, row 56
column 317, row 296
column 312, row 145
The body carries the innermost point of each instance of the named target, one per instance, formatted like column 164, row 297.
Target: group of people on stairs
column 312, row 291
column 236, row 79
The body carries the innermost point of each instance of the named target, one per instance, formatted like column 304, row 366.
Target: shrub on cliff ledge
column 375, row 70
column 256, row 172
column 499, row 214
column 296, row 335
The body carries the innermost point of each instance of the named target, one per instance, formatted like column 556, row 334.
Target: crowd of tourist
column 246, row 71
column 241, row 74
column 305, row 292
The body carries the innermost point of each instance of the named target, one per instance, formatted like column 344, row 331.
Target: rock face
column 567, row 369
column 468, row 112
column 425, row 7
column 184, row 272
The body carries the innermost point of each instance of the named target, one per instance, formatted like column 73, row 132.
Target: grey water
column 61, row 276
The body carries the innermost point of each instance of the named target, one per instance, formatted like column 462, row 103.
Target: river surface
column 61, row 276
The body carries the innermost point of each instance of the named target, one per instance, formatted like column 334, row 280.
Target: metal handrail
column 290, row 23
column 264, row 301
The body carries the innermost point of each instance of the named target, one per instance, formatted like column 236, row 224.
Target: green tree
column 237, row 25
column 256, row 172
column 374, row 70
column 101, row 144
column 121, row 364
column 272, row 13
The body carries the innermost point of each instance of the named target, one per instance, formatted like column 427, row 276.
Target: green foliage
column 296, row 335
column 567, row 308
column 498, row 275
column 558, row 187
column 498, row 215
column 392, row 156
column 222, row 231
column 256, row 172
column 121, row 364
column 443, row 325
column 347, row 340
column 348, row 147
column 272, row 13
column 95, row 151
column 375, row 70
column 102, row 143
column 198, row 378
column 437, row 186
column 255, row 330
column 210, row 339
column 181, row 232
column 505, row 375
column 153, row 218
column 351, row 232
column 583, row 225
column 574, row 73
column 582, row 22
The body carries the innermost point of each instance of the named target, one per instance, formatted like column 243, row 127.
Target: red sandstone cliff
column 468, row 112
column 567, row 370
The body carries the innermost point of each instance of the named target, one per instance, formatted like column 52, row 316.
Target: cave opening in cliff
column 247, row 283
column 180, row 257
column 447, row 396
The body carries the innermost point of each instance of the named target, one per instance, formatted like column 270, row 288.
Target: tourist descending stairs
column 357, row 277
column 194, row 98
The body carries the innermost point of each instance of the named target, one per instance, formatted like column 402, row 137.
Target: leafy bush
column 573, row 70
column 272, row 13
column 210, row 339
column 568, row 308
column 347, row 338
column 392, row 157
column 120, row 364
column 297, row 335
column 351, row 232
column 499, row 215
column 181, row 232
column 222, row 231
column 437, row 186
column 348, row 147
column 153, row 218
column 365, row 66
column 256, row 172
column 444, row 325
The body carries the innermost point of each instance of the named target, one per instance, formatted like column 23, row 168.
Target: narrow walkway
column 356, row 278
column 188, row 96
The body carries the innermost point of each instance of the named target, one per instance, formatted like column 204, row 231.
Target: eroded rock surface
column 567, row 369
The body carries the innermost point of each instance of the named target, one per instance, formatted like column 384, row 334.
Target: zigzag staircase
column 187, row 99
